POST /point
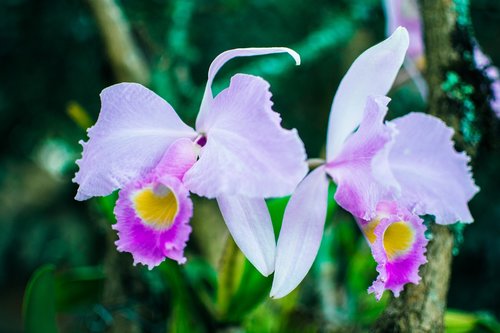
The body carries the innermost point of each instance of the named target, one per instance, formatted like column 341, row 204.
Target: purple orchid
column 386, row 174
column 238, row 154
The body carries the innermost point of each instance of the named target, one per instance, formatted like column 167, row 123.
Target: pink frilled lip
column 402, row 269
column 147, row 245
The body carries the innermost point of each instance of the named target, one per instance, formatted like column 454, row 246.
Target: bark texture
column 420, row 308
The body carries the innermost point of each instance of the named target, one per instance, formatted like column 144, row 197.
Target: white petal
column 134, row 130
column 249, row 223
column 301, row 233
column 224, row 57
column 247, row 152
column 372, row 73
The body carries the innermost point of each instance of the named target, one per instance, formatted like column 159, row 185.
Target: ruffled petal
column 301, row 233
column 372, row 73
column 224, row 57
column 434, row 178
column 134, row 129
column 249, row 223
column 398, row 244
column 247, row 152
column 152, row 220
column 361, row 170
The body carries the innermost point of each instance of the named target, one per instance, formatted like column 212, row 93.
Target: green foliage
column 39, row 309
column 78, row 288
column 467, row 322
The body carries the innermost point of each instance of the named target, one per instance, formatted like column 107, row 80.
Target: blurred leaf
column 187, row 315
column 229, row 277
column 369, row 309
column 331, row 209
column 253, row 290
column 39, row 311
column 78, row 287
column 203, row 279
column 459, row 322
column 488, row 321
column 107, row 205
column 361, row 269
column 277, row 210
column 464, row 322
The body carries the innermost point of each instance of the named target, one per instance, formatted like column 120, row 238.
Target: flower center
column 201, row 140
column 156, row 207
column 398, row 239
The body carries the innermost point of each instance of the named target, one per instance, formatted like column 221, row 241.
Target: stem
column 315, row 162
column 127, row 61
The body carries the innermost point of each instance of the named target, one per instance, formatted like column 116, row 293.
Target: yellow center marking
column 157, row 208
column 398, row 238
column 369, row 230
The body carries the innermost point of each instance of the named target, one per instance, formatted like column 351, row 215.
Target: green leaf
column 229, row 277
column 203, row 279
column 253, row 290
column 39, row 310
column 459, row 322
column 107, row 205
column 466, row 322
column 277, row 210
column 188, row 314
column 78, row 287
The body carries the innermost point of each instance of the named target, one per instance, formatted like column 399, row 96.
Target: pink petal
column 434, row 178
column 134, row 129
column 224, row 57
column 149, row 245
column 179, row 158
column 249, row 223
column 301, row 233
column 361, row 170
column 398, row 243
column 247, row 152
column 372, row 73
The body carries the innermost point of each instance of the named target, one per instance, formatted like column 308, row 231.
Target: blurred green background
column 53, row 65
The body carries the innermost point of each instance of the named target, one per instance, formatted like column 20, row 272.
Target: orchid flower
column 238, row 154
column 386, row 175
